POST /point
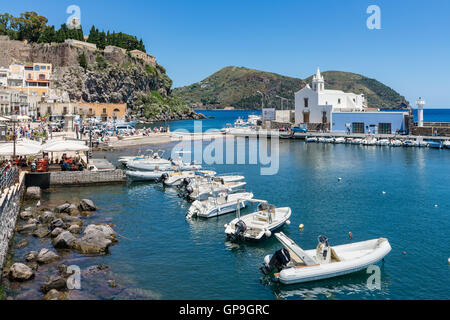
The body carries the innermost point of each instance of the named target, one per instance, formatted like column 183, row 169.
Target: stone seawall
column 86, row 177
column 9, row 209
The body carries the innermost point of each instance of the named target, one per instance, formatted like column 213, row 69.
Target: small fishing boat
column 339, row 140
column 146, row 175
column 211, row 189
column 292, row 264
column 216, row 206
column 356, row 141
column 395, row 143
column 177, row 178
column 409, row 143
column 434, row 144
column 383, row 142
column 258, row 225
column 311, row 140
column 446, row 144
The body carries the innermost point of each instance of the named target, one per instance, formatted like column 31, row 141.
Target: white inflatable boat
column 216, row 206
column 258, row 225
column 145, row 175
column 292, row 264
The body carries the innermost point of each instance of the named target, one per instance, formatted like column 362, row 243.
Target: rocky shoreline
column 59, row 242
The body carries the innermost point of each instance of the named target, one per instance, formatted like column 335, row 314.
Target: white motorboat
column 395, row 143
column 253, row 119
column 369, row 141
column 210, row 189
column 356, row 141
column 258, row 225
column 311, row 140
column 383, row 142
column 446, row 144
column 339, row 140
column 292, row 264
column 177, row 178
column 146, row 175
column 215, row 206
column 240, row 123
column 149, row 154
column 410, row 143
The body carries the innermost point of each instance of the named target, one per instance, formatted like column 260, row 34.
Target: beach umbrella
column 3, row 119
column 22, row 149
column 64, row 146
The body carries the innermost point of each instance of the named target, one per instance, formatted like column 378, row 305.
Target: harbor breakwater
column 9, row 209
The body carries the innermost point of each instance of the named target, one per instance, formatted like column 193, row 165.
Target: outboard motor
column 184, row 183
column 239, row 230
column 163, row 177
column 186, row 193
column 279, row 260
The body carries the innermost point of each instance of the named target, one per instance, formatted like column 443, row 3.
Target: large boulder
column 56, row 232
column 57, row 223
column 46, row 256
column 87, row 205
column 64, row 241
column 63, row 208
column 96, row 239
column 75, row 229
column 54, row 283
column 33, row 193
column 47, row 217
column 70, row 220
column 27, row 228
column 41, row 232
column 20, row 272
column 26, row 215
column 31, row 256
column 54, row 295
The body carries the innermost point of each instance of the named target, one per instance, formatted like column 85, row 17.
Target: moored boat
column 292, row 264
column 215, row 206
column 258, row 225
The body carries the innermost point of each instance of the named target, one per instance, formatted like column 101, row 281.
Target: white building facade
column 316, row 105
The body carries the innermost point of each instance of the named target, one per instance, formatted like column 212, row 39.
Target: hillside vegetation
column 237, row 87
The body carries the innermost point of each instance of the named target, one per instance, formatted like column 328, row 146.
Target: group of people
column 70, row 164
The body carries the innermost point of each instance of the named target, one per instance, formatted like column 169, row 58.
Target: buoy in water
column 301, row 227
column 436, row 206
column 339, row 179
column 404, row 253
column 384, row 192
column 268, row 233
column 350, row 235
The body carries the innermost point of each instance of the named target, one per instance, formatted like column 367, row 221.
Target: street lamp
column 14, row 120
column 282, row 99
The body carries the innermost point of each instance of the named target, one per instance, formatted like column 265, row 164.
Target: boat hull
column 325, row 271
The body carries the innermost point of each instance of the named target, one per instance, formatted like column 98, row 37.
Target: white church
column 338, row 111
column 316, row 104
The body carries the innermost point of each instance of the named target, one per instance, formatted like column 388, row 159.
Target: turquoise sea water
column 160, row 252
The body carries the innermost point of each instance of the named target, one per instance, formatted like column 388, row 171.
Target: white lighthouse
column 420, row 103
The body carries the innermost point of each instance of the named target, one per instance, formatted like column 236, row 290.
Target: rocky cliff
column 111, row 76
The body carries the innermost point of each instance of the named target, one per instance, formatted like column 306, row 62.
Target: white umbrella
column 3, row 119
column 64, row 146
column 23, row 118
column 22, row 149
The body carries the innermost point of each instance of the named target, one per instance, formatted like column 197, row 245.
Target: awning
column 64, row 146
column 22, row 149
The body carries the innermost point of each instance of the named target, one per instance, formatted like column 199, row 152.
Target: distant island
column 237, row 87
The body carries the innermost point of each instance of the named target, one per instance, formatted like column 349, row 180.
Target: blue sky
column 193, row 39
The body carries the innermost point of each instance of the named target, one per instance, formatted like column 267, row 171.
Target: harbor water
column 398, row 193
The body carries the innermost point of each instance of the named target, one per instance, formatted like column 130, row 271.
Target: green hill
column 237, row 87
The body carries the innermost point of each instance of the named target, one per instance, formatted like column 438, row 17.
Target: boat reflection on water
column 352, row 286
